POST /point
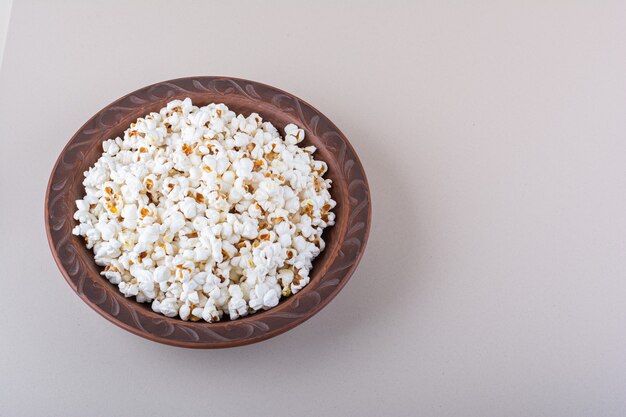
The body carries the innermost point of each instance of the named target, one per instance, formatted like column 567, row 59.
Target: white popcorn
column 270, row 299
column 205, row 213
column 161, row 274
column 188, row 207
column 150, row 234
column 243, row 168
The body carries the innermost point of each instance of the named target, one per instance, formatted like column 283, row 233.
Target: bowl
column 345, row 241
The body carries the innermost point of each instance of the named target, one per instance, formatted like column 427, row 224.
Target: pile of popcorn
column 203, row 212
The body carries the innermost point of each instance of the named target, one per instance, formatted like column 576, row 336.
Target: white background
column 493, row 135
column 5, row 12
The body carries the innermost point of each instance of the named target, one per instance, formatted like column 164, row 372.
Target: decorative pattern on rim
column 76, row 263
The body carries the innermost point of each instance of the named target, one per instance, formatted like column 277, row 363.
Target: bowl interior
column 241, row 105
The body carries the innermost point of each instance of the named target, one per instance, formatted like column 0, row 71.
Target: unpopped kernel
column 206, row 213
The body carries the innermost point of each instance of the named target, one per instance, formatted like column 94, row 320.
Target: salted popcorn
column 206, row 213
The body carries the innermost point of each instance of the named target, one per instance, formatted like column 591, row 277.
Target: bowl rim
column 250, row 329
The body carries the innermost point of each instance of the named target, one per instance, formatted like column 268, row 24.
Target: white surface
column 494, row 139
column 5, row 13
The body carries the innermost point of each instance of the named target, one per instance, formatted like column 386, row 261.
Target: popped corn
column 206, row 213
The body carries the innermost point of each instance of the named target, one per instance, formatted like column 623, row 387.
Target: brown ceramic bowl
column 345, row 242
